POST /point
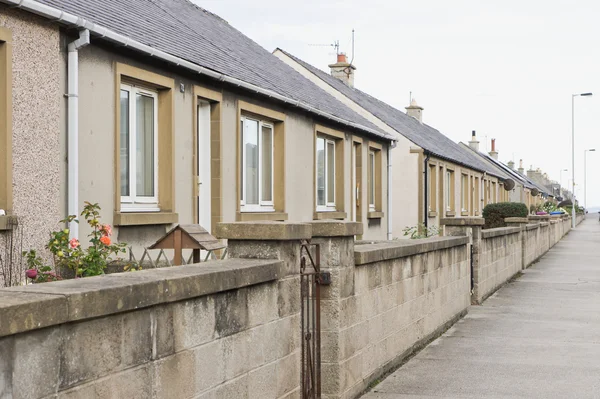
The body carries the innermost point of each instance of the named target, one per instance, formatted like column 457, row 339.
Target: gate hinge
column 324, row 278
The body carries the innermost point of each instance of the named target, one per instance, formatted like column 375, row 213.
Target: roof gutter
column 59, row 16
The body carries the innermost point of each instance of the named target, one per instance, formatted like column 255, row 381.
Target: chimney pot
column 494, row 153
column 474, row 144
column 415, row 110
column 343, row 70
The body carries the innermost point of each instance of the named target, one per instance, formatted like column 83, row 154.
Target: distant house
column 522, row 189
column 432, row 177
column 164, row 113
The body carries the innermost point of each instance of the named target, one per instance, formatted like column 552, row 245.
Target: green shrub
column 494, row 214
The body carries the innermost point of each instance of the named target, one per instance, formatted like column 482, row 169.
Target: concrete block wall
column 223, row 329
column 232, row 328
column 392, row 298
column 500, row 258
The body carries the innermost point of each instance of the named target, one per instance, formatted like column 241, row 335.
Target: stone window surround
column 377, row 148
column 278, row 120
column 6, row 189
column 449, row 191
column 464, row 192
column 338, row 137
column 166, row 169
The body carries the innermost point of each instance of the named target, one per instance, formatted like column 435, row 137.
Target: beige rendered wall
column 97, row 119
column 405, row 175
column 36, row 105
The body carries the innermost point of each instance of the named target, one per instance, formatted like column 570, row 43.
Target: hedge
column 494, row 214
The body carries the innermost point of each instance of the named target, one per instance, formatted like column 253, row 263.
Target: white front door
column 203, row 141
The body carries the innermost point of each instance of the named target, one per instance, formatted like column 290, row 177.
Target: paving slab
column 537, row 337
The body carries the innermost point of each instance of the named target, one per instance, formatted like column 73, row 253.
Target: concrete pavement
column 538, row 337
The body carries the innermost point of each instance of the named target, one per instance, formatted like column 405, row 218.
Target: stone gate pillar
column 470, row 227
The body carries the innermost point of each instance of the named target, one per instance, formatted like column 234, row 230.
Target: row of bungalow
column 163, row 113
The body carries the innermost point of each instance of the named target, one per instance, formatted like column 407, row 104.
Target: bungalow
column 432, row 177
column 163, row 113
column 524, row 189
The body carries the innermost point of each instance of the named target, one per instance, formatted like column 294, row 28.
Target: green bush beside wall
column 494, row 214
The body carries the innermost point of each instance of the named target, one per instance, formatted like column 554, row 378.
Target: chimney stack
column 494, row 153
column 415, row 110
column 511, row 165
column 521, row 169
column 343, row 70
column 474, row 144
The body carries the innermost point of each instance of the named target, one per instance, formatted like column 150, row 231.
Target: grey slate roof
column 182, row 29
column 421, row 134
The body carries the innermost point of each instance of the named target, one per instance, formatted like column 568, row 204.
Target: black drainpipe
column 426, row 188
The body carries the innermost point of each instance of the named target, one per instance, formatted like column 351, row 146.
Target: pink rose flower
column 74, row 243
column 31, row 273
column 105, row 240
column 107, row 229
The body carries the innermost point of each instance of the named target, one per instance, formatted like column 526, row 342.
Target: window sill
column 322, row 215
column 464, row 213
column 144, row 218
column 7, row 222
column 374, row 215
column 450, row 214
column 432, row 214
column 252, row 216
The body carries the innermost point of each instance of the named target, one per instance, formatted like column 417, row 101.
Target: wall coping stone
column 516, row 220
column 544, row 224
column 370, row 253
column 264, row 230
column 336, row 228
column 532, row 226
column 42, row 305
column 500, row 231
column 464, row 221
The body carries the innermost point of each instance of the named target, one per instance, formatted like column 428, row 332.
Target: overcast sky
column 506, row 70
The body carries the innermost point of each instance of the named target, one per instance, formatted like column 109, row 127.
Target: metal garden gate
column 311, row 279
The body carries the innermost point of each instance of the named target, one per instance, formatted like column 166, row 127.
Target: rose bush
column 68, row 254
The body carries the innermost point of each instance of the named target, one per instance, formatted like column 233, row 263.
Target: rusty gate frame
column 311, row 279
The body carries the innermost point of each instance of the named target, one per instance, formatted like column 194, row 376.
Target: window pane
column 330, row 172
column 372, row 178
column 448, row 190
column 267, row 163
column 242, row 163
column 320, row 171
column 145, row 146
column 124, row 142
column 251, row 163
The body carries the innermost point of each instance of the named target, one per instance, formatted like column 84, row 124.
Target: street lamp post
column 573, row 212
column 585, row 176
column 562, row 170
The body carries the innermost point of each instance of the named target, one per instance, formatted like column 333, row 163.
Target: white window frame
column 464, row 198
column 372, row 183
column 262, row 206
column 133, row 203
column 429, row 183
column 448, row 190
column 329, row 206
